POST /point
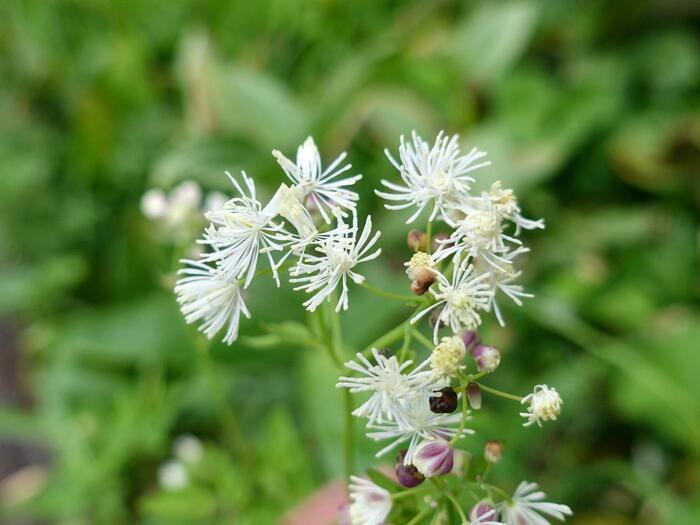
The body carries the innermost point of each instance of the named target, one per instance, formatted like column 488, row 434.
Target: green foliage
column 588, row 109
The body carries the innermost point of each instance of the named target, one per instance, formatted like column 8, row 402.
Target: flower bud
column 439, row 241
column 416, row 240
column 446, row 358
column 470, row 338
column 493, row 451
column 487, row 357
column 421, row 272
column 484, row 511
column 474, row 396
column 407, row 475
column 434, row 458
column 445, row 403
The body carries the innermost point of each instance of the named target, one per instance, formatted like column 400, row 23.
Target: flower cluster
column 304, row 226
column 481, row 248
column 418, row 404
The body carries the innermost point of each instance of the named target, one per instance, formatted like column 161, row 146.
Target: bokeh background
column 590, row 110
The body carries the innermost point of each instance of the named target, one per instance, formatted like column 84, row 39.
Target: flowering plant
column 420, row 405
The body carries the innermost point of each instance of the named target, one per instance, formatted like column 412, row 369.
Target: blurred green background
column 590, row 110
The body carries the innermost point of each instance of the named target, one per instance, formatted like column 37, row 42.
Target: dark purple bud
column 407, row 475
column 445, row 403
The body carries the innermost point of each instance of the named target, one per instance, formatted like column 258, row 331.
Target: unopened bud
column 416, row 240
column 487, row 357
column 421, row 272
column 483, row 512
column 493, row 451
column 407, row 475
column 470, row 338
column 445, row 403
column 474, row 396
column 440, row 241
column 434, row 458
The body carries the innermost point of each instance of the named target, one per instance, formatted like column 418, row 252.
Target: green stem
column 418, row 517
column 463, row 423
column 457, row 506
column 427, row 343
column 410, row 492
column 428, row 237
column 388, row 338
column 390, row 295
column 336, row 342
column 499, row 393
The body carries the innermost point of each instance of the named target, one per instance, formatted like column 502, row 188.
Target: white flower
column 434, row 175
column 287, row 203
column 446, row 358
column 415, row 422
column 507, row 206
column 386, row 381
column 188, row 449
column 240, row 231
column 336, row 256
column 177, row 208
column 206, row 294
column 478, row 235
column 371, row 504
column 172, row 475
column 460, row 299
column 320, row 187
column 527, row 507
column 154, row 203
column 501, row 278
column 545, row 405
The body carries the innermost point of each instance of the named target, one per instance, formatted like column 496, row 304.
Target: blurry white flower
column 332, row 263
column 460, row 300
column 446, row 358
column 206, row 294
column 175, row 209
column 527, row 506
column 188, row 449
column 434, row 176
column 415, row 422
column 215, row 200
column 321, row 187
column 386, row 381
column 154, row 203
column 545, row 405
column 172, row 475
column 371, row 504
column 239, row 232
